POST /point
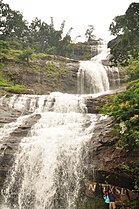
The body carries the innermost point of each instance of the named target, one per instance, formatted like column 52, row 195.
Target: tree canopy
column 38, row 35
column 124, row 107
column 126, row 30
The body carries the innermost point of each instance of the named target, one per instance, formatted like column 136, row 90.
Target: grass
column 18, row 89
column 4, row 82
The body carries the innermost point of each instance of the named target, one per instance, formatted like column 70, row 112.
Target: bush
column 18, row 89
column 133, row 69
column 3, row 82
column 125, row 109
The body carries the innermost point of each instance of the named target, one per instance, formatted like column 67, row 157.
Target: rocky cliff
column 44, row 75
column 50, row 73
column 101, row 157
column 41, row 77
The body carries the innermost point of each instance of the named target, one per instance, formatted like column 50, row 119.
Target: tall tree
column 126, row 28
column 89, row 34
column 12, row 23
column 44, row 37
column 4, row 11
column 13, row 27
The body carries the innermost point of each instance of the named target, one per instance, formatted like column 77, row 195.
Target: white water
column 93, row 75
column 49, row 165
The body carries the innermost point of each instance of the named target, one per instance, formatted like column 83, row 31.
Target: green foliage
column 119, row 50
column 54, row 71
column 26, row 55
column 79, row 51
column 10, row 54
column 91, row 203
column 3, row 82
column 4, row 45
column 18, row 89
column 132, row 204
column 39, row 36
column 16, row 43
column 116, row 26
column 132, row 169
column 1, row 65
column 41, row 56
column 126, row 28
column 89, row 33
column 133, row 85
column 124, row 107
column 133, row 68
column 12, row 23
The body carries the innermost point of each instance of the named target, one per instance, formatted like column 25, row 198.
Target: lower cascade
column 49, row 164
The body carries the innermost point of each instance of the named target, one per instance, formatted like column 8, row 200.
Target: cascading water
column 93, row 75
column 49, row 164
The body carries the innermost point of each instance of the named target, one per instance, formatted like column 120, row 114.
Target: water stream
column 49, row 165
column 93, row 76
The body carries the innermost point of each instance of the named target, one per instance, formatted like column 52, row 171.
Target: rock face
column 51, row 74
column 44, row 75
column 9, row 144
column 102, row 157
column 103, row 160
column 107, row 160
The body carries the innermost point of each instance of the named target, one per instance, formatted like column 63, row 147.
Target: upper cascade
column 103, row 53
column 93, row 76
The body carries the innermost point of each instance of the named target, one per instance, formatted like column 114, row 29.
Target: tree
column 118, row 26
column 13, row 24
column 62, row 26
column 126, row 28
column 38, row 35
column 3, row 15
column 44, row 37
column 124, row 107
column 26, row 55
column 89, row 33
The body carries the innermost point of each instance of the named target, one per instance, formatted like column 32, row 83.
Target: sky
column 77, row 14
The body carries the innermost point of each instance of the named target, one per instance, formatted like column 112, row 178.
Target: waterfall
column 49, row 164
column 93, row 76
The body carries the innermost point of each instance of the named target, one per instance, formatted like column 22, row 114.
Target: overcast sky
column 77, row 13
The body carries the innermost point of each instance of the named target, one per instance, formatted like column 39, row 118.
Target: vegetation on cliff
column 124, row 107
column 126, row 29
column 23, row 42
column 17, row 33
column 26, row 48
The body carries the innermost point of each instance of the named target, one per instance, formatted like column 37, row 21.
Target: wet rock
column 9, row 144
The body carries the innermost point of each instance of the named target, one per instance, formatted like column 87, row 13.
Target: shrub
column 17, row 89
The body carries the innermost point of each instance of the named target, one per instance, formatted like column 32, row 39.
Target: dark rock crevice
column 9, row 145
column 104, row 161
